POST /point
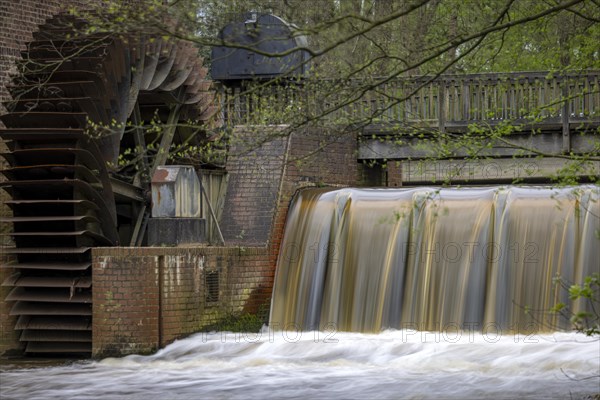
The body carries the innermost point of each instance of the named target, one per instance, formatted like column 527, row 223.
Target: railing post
column 442, row 105
column 237, row 108
column 566, row 132
column 466, row 100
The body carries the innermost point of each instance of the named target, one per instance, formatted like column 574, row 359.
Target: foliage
column 241, row 322
column 392, row 37
column 362, row 48
column 585, row 312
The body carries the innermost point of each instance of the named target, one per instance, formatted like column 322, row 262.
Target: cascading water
column 364, row 260
column 449, row 261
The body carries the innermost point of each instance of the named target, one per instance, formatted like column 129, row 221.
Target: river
column 394, row 364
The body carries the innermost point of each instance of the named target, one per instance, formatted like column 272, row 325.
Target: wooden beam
column 167, row 138
column 212, row 213
column 138, row 226
column 143, row 175
column 378, row 148
column 497, row 170
column 442, row 99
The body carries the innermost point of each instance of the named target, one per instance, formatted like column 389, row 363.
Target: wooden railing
column 447, row 102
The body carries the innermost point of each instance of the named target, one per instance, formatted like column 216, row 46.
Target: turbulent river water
column 288, row 365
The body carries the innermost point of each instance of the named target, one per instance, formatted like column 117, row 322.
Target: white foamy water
column 289, row 365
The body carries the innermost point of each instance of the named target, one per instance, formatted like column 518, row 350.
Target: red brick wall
column 145, row 298
column 19, row 20
column 243, row 275
column 394, row 173
column 252, row 190
column 125, row 302
column 265, row 178
column 320, row 159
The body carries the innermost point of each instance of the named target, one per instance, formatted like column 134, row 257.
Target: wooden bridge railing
column 449, row 102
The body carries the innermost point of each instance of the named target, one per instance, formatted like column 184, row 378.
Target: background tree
column 359, row 47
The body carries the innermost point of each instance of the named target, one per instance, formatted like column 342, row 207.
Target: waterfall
column 433, row 259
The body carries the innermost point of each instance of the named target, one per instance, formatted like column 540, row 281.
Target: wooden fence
column 449, row 102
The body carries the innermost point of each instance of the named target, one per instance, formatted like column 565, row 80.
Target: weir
column 434, row 258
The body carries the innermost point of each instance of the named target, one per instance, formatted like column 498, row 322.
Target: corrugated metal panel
column 175, row 192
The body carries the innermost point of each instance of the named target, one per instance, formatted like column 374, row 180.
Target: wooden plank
column 58, row 347
column 34, row 308
column 566, row 132
column 53, row 322
column 442, row 99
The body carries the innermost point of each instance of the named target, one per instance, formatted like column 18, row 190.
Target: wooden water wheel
column 81, row 103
